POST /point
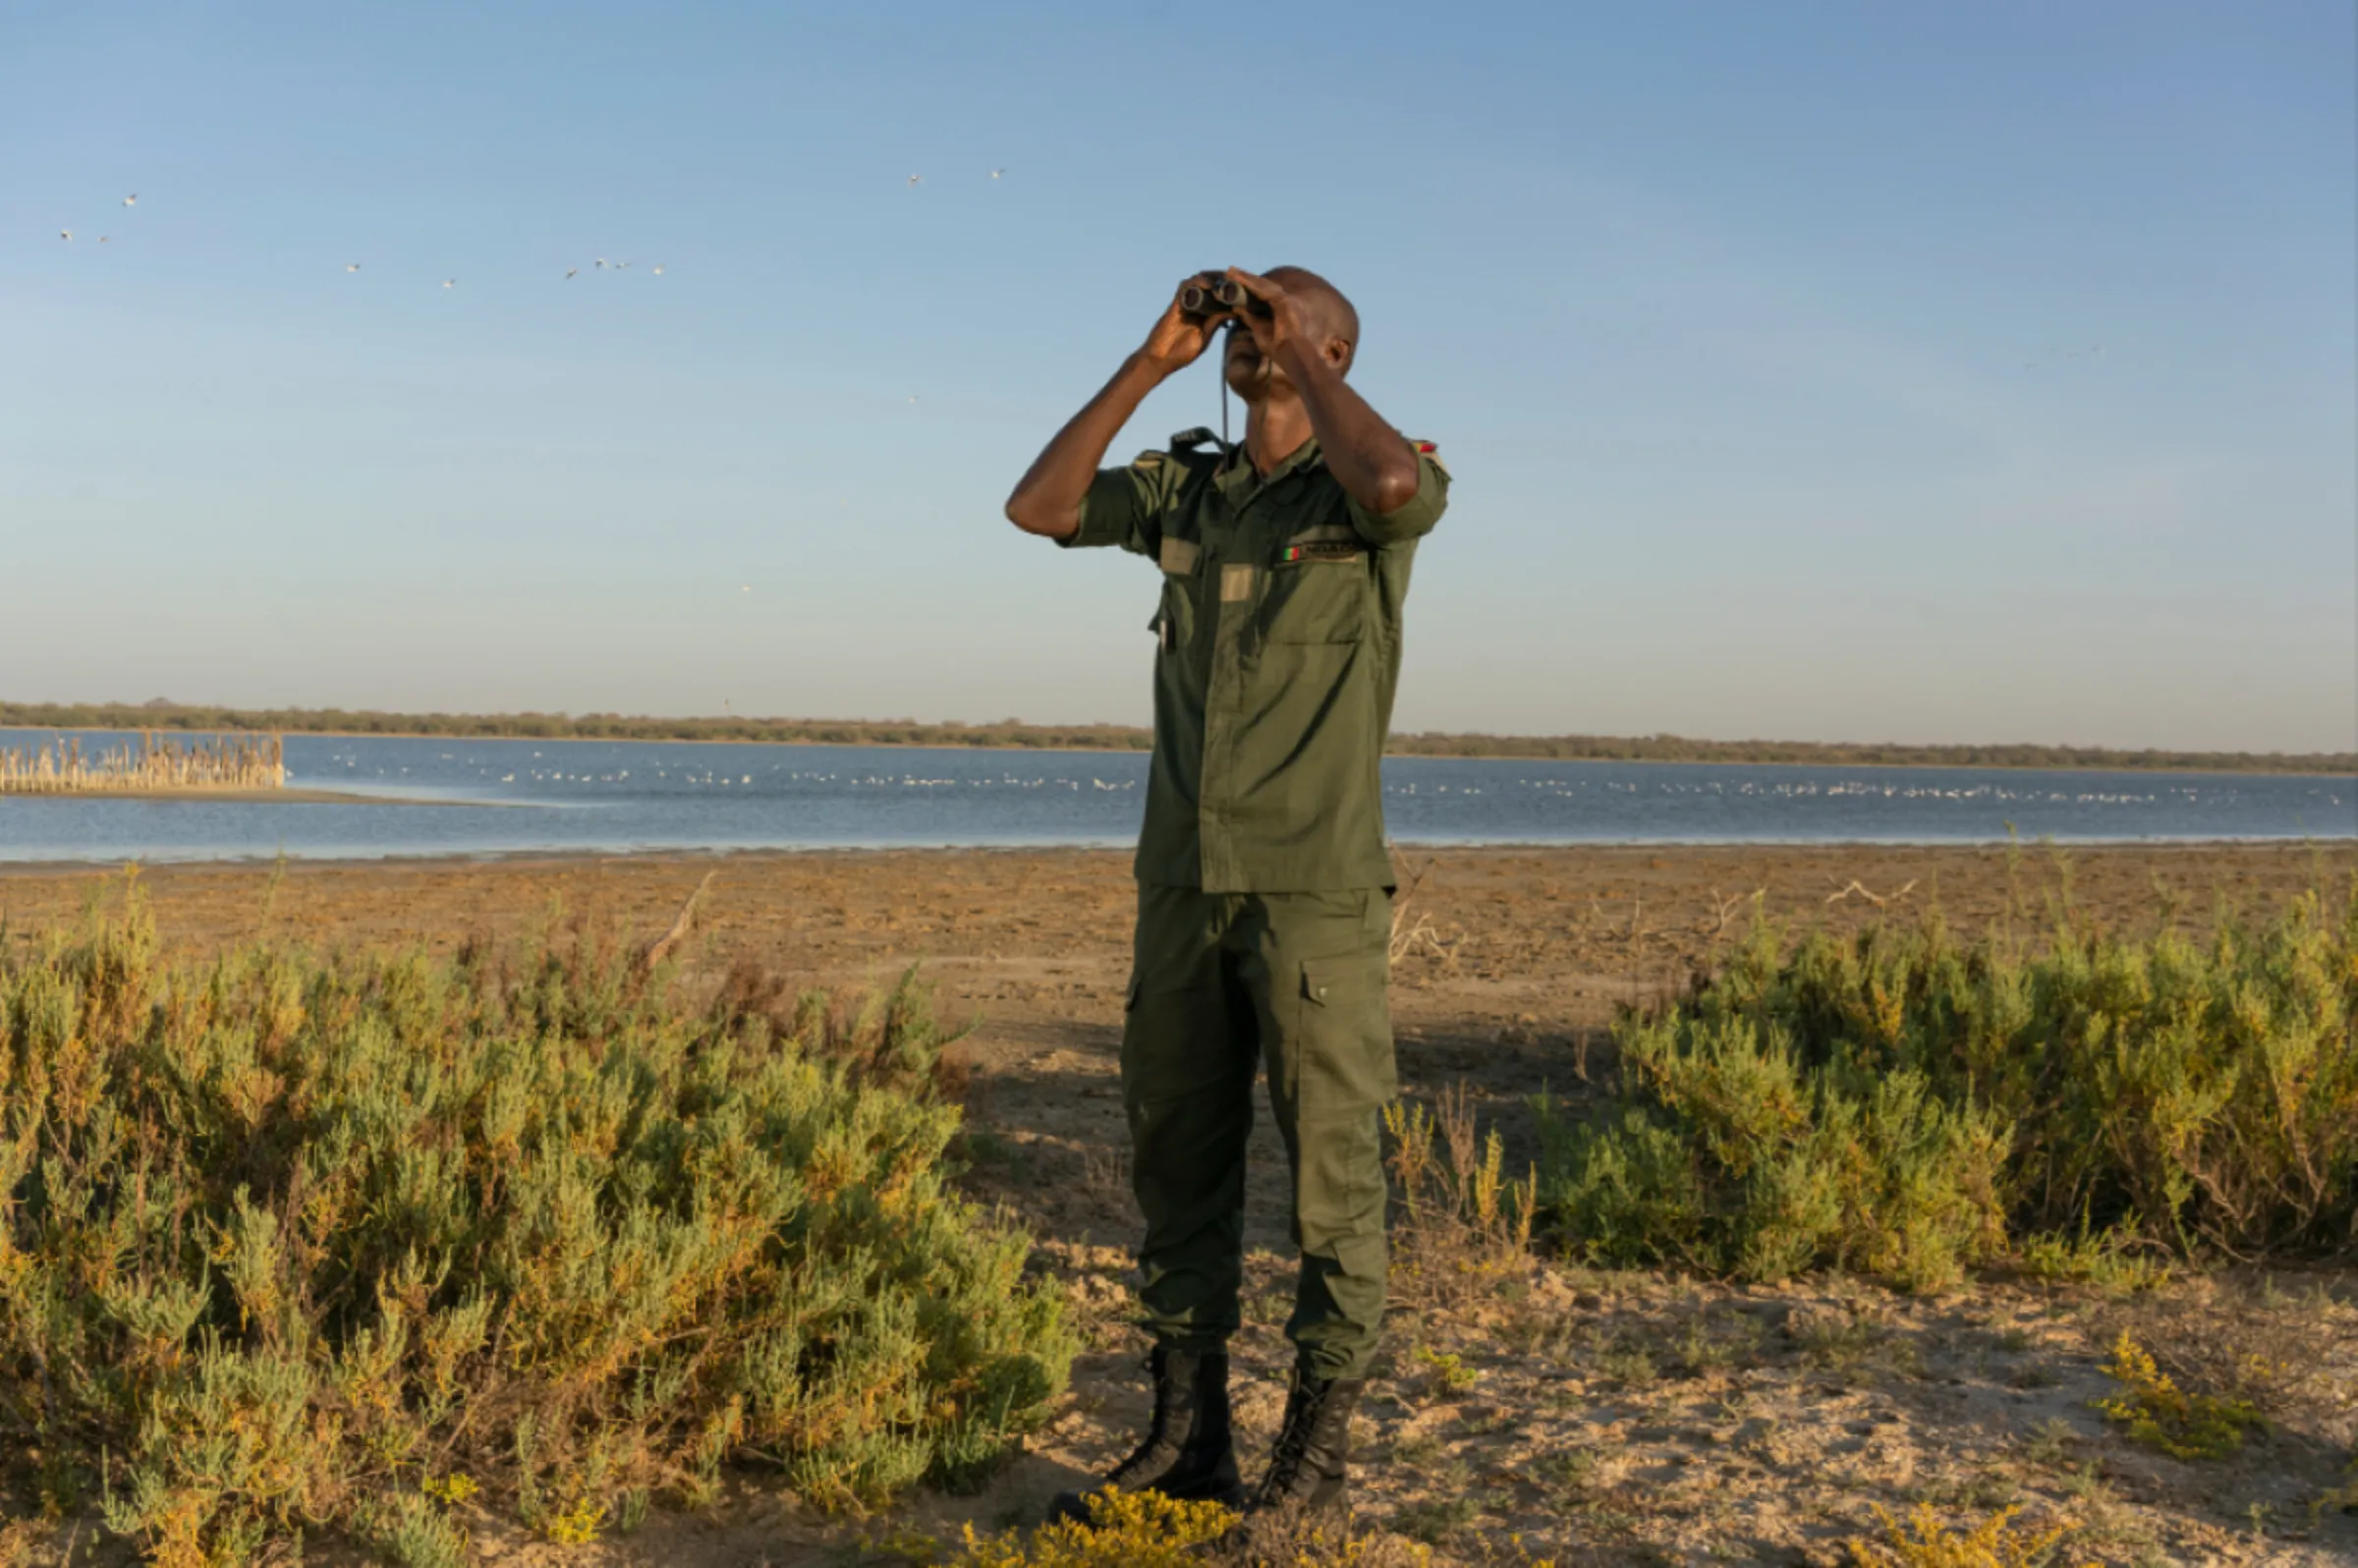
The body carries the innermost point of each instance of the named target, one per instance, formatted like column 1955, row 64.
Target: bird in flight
column 602, row 262
column 132, row 200
column 102, row 238
column 450, row 283
column 658, row 270
column 915, row 178
column 65, row 234
column 572, row 271
column 995, row 173
column 352, row 266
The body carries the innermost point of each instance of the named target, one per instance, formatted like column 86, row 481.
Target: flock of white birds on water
column 598, row 263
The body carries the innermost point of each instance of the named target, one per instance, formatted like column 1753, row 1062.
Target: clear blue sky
column 1761, row 340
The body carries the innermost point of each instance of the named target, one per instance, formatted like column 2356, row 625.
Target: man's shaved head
column 1325, row 302
column 1323, row 322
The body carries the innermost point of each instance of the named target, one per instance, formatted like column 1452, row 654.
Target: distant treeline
column 1123, row 738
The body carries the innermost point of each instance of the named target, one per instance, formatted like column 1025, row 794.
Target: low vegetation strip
column 1908, row 1104
column 222, row 763
column 1014, row 734
column 290, row 1241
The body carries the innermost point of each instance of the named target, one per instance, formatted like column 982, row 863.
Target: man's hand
column 1048, row 499
column 1372, row 461
column 1287, row 326
column 1180, row 339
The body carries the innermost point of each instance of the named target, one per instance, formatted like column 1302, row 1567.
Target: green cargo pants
column 1222, row 981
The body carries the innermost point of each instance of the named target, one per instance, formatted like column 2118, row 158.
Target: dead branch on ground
column 680, row 926
column 1420, row 936
column 1722, row 908
column 1860, row 888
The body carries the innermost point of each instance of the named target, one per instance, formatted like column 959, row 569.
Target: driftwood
column 1418, row 935
column 681, row 924
column 1724, row 908
column 1860, row 888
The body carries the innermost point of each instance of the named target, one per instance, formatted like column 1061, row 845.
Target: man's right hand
column 1047, row 498
column 1180, row 339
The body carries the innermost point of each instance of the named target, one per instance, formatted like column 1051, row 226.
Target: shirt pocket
column 1318, row 593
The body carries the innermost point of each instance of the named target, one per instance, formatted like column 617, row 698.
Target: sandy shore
column 260, row 797
column 1030, row 939
column 1741, row 1425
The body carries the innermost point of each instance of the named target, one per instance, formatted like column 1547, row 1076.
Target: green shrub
column 1737, row 1157
column 1907, row 1103
column 1922, row 1540
column 289, row 1236
column 2160, row 1414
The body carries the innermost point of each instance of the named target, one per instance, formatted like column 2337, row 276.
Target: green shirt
column 1278, row 652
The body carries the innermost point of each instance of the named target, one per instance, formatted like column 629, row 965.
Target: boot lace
column 1158, row 1438
column 1293, row 1443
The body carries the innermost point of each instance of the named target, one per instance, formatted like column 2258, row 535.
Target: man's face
column 1249, row 373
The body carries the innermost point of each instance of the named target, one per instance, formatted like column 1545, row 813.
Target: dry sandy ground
column 1617, row 1418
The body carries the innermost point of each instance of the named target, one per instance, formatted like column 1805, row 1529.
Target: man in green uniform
column 1264, row 907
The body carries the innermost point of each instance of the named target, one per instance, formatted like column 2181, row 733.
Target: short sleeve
column 1413, row 518
column 1125, row 506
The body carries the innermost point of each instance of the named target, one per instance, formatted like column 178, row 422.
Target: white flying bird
column 450, row 283
column 352, row 266
column 132, row 200
column 995, row 173
column 658, row 270
column 601, row 261
column 913, row 179
column 65, row 234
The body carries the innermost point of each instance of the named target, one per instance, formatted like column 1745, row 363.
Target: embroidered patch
column 1426, row 450
column 1236, row 584
column 1321, row 551
column 1179, row 556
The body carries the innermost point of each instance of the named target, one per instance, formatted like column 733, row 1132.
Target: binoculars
column 1224, row 293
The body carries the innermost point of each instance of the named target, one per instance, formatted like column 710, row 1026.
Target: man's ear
column 1338, row 352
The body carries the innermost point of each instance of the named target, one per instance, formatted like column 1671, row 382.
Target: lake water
column 451, row 797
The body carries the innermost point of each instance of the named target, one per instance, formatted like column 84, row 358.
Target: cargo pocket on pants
column 1343, row 1036
column 1343, row 1075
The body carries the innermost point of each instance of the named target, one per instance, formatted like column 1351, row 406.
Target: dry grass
column 226, row 762
column 1462, row 1225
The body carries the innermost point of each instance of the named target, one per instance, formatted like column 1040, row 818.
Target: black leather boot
column 1308, row 1469
column 1189, row 1451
